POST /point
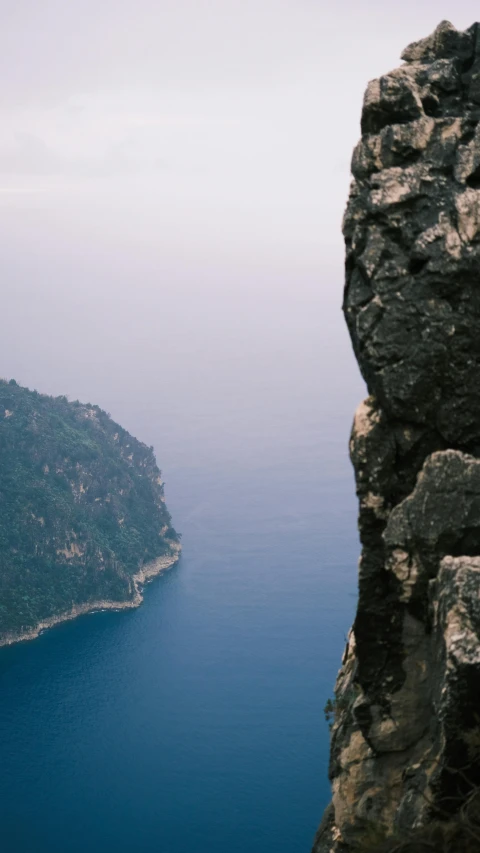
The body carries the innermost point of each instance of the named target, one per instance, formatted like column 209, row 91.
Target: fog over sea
column 172, row 180
column 196, row 722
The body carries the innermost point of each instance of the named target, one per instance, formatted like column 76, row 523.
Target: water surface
column 195, row 723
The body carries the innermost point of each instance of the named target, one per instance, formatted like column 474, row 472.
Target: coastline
column 144, row 575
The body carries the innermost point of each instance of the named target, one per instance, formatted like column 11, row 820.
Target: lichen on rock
column 408, row 694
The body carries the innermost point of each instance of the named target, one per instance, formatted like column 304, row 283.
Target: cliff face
column 83, row 519
column 406, row 737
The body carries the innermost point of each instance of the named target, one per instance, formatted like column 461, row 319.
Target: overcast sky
column 151, row 144
column 224, row 122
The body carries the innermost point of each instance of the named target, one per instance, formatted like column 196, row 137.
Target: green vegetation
column 339, row 704
column 81, row 507
column 330, row 711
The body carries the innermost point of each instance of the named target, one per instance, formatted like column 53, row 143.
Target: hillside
column 82, row 511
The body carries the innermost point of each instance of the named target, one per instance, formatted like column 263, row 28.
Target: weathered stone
column 412, row 232
column 446, row 41
column 393, row 99
column 407, row 720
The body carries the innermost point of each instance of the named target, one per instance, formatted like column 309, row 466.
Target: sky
column 161, row 154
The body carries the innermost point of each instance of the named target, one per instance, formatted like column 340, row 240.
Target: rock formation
column 406, row 736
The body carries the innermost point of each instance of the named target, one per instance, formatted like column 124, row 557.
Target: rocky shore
column 82, row 507
column 146, row 574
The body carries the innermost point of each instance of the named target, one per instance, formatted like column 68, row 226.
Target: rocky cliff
column 406, row 736
column 83, row 521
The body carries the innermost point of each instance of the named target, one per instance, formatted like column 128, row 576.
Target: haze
column 172, row 180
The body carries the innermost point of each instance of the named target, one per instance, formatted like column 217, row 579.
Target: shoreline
column 144, row 575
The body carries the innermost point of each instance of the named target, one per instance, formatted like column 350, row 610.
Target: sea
column 195, row 724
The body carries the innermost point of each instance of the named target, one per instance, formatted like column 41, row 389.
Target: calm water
column 195, row 724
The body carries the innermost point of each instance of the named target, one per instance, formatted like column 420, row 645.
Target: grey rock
column 412, row 233
column 407, row 720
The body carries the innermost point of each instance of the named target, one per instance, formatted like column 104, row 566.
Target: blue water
column 195, row 723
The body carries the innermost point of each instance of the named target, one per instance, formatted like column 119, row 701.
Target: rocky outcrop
column 406, row 736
